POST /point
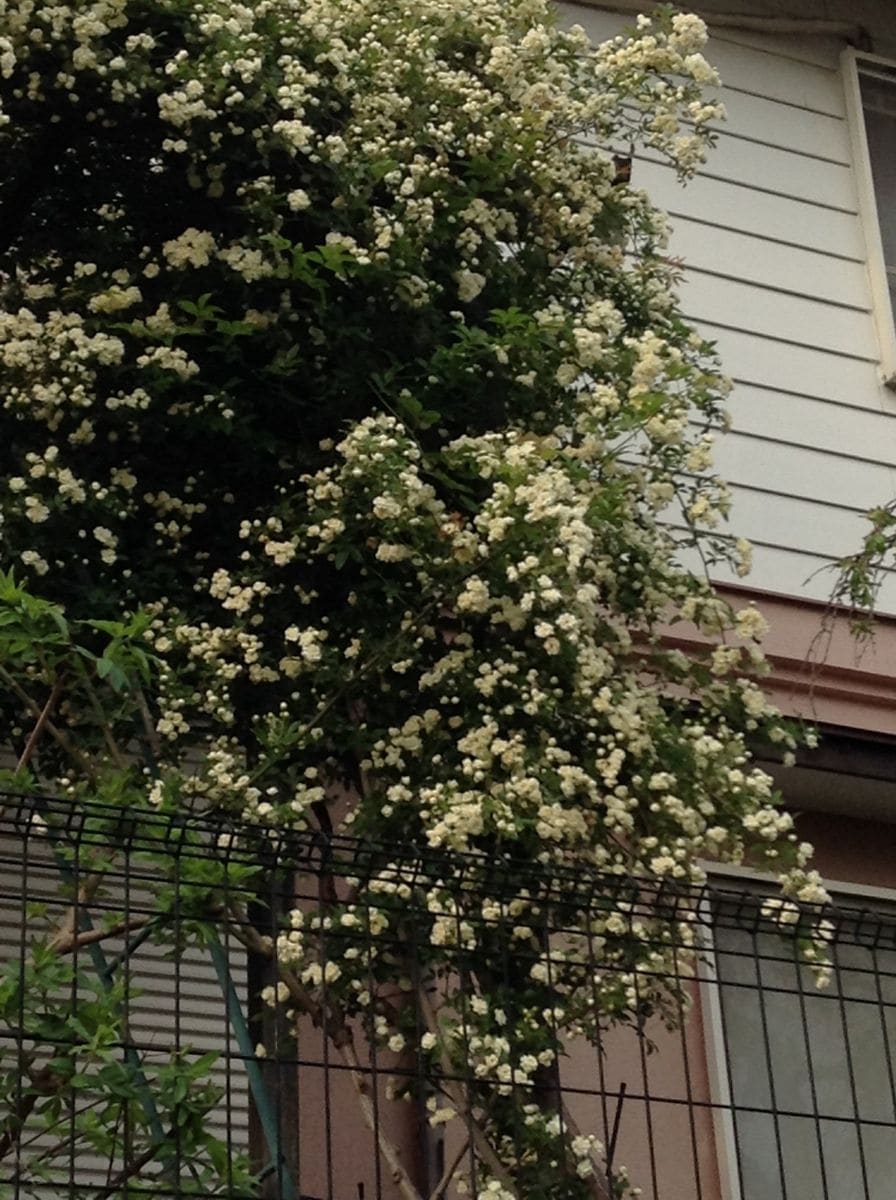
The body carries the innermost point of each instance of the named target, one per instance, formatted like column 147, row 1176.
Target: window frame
column 710, row 992
column 883, row 309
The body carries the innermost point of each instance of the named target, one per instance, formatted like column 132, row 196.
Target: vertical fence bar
column 645, row 1085
column 853, row 1094
column 722, row 1090
column 769, row 1062
column 686, row 1071
column 267, row 1112
column 813, row 1090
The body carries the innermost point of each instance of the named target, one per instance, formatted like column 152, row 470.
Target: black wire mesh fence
column 188, row 1008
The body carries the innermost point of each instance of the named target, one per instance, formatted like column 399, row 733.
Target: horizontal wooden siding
column 774, row 273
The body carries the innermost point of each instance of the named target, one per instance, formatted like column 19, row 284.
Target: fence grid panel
column 189, row 1007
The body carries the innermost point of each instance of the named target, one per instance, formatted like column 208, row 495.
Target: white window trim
column 882, row 305
column 713, row 1022
column 719, row 1082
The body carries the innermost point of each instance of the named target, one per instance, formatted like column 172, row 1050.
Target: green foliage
column 73, row 1084
column 861, row 575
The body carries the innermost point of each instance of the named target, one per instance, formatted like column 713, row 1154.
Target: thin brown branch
column 357, row 716
column 388, row 1150
column 67, row 929
column 594, row 1184
column 134, row 1167
column 326, row 883
column 65, row 943
column 246, row 933
column 55, row 733
column 40, row 724
column 14, row 1125
column 152, row 735
column 483, row 1147
column 45, row 1128
column 44, row 1083
column 448, row 1174
column 381, row 656
column 336, row 1028
column 455, row 1094
column 105, row 725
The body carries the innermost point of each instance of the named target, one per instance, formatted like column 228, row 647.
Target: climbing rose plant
column 355, row 455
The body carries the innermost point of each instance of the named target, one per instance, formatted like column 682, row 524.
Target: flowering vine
column 354, row 446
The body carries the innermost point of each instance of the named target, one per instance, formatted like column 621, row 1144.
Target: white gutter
column 819, row 27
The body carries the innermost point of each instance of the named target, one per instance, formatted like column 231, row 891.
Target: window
column 808, row 1076
column 871, row 107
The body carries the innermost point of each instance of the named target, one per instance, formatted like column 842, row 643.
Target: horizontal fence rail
column 190, row 1007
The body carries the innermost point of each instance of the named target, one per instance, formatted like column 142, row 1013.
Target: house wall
column 673, row 1130
column 775, row 273
column 820, row 672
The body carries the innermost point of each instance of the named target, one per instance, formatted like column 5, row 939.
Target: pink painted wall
column 337, row 1147
column 665, row 1137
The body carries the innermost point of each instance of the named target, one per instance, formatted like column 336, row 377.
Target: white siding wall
column 775, row 274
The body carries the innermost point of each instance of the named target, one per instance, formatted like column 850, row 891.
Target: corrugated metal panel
column 774, row 258
column 173, row 1001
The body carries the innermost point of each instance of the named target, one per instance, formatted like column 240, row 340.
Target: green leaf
column 112, row 672
column 113, row 628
